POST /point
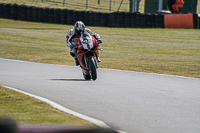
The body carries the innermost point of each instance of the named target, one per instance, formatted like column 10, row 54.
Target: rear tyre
column 93, row 68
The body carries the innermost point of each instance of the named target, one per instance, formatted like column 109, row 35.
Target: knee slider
column 72, row 54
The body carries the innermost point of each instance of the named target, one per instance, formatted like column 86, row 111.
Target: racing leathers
column 72, row 41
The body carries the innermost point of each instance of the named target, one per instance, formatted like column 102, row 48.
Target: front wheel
column 86, row 76
column 93, row 68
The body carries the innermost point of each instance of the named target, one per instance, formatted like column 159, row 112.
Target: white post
column 136, row 6
column 110, row 5
column 160, row 5
column 86, row 4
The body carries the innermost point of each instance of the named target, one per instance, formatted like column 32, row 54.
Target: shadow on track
column 69, row 79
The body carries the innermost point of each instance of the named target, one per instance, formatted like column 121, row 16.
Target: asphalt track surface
column 133, row 102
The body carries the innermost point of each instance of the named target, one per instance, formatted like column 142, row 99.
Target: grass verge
column 26, row 109
column 164, row 51
column 93, row 5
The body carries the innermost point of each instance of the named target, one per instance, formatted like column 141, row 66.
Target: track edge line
column 63, row 109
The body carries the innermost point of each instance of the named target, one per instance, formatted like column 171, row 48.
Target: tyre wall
column 180, row 21
column 69, row 17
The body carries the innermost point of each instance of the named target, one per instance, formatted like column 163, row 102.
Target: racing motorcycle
column 87, row 55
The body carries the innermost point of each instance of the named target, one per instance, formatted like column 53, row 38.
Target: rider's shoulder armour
column 71, row 32
column 89, row 31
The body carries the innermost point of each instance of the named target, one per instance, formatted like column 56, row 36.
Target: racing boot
column 98, row 59
column 73, row 54
column 77, row 62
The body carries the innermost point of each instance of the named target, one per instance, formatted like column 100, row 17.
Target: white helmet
column 79, row 28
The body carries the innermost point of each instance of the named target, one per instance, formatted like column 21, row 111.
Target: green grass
column 165, row 51
column 27, row 110
column 93, row 5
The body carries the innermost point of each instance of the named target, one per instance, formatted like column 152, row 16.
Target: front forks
column 87, row 61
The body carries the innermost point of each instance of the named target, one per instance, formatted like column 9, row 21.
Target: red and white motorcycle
column 87, row 55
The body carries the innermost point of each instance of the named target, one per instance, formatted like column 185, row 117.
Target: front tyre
column 93, row 68
column 86, row 76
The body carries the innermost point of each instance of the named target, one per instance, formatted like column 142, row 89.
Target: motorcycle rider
column 74, row 34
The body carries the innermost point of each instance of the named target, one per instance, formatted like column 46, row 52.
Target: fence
column 104, row 5
column 91, row 5
column 65, row 16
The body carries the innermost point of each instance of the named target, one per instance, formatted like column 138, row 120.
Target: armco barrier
column 63, row 16
column 133, row 20
column 91, row 19
column 104, row 19
column 97, row 18
column 40, row 14
column 199, row 22
column 7, row 9
column 120, row 19
column 35, row 14
column 127, row 19
column 13, row 12
column 137, row 19
column 114, row 19
column 30, row 13
column 195, row 21
column 81, row 16
column 75, row 16
column 51, row 15
column 1, row 11
column 159, row 20
column 70, row 17
column 143, row 19
column 22, row 13
column 151, row 20
column 45, row 15
column 86, row 14
column 57, row 18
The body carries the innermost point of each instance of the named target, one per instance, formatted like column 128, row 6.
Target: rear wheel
column 93, row 68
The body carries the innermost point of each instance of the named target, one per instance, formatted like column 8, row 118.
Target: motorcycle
column 87, row 55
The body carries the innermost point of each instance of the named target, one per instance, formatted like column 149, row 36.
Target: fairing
column 87, row 48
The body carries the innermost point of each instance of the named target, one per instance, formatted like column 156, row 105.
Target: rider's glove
column 73, row 45
column 97, row 37
column 99, row 41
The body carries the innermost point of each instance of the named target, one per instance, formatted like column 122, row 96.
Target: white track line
column 65, row 110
